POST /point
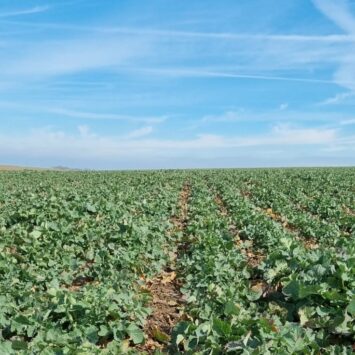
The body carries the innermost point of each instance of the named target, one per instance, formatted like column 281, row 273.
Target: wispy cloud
column 141, row 132
column 232, row 116
column 85, row 132
column 53, row 111
column 29, row 11
column 88, row 143
column 96, row 70
column 348, row 122
column 135, row 149
column 339, row 12
column 67, row 56
column 288, row 135
column 229, row 116
column 194, row 35
column 283, row 106
column 126, row 50
column 101, row 116
column 202, row 72
column 338, row 98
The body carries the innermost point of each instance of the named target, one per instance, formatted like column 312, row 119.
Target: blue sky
column 172, row 84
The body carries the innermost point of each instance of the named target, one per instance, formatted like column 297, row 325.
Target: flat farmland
column 10, row 168
column 244, row 261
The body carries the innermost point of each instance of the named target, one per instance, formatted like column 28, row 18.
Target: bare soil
column 167, row 301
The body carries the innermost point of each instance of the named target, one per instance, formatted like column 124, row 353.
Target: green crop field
column 258, row 261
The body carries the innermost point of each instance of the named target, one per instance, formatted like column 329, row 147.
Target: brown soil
column 245, row 193
column 349, row 211
column 254, row 259
column 264, row 288
column 309, row 243
column 277, row 218
column 167, row 305
column 167, row 301
column 222, row 207
column 82, row 280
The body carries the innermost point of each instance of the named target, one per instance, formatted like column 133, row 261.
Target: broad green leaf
column 351, row 307
column 231, row 309
column 160, row 336
column 221, row 327
column 135, row 333
column 19, row 345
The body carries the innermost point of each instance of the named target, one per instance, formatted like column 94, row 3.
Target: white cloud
column 30, row 11
column 339, row 12
column 100, row 116
column 282, row 145
column 141, row 132
column 46, row 142
column 348, row 122
column 285, row 134
column 128, row 50
column 203, row 72
column 141, row 51
column 229, row 116
column 283, row 106
column 345, row 75
column 25, row 108
column 66, row 56
column 338, row 98
column 299, row 116
column 84, row 131
column 192, row 35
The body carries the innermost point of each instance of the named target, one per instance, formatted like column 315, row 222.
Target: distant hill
column 62, row 168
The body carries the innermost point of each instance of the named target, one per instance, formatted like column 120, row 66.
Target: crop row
column 295, row 299
column 264, row 260
column 73, row 252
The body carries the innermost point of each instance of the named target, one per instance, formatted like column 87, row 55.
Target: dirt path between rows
column 348, row 211
column 308, row 243
column 167, row 301
column 253, row 258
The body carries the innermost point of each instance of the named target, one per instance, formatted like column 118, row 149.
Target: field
column 10, row 167
column 258, row 261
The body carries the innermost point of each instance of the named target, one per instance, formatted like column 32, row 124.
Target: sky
column 132, row 84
